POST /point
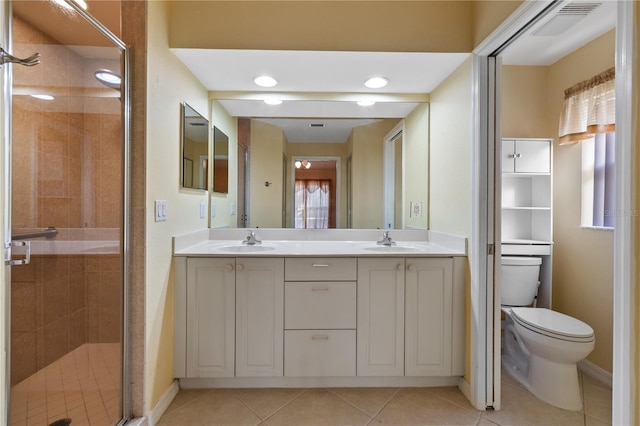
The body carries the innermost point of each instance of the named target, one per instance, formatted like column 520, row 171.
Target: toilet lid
column 554, row 324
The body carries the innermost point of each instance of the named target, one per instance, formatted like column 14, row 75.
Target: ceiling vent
column 316, row 124
column 565, row 18
column 198, row 123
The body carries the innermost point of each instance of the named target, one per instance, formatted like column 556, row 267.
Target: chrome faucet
column 386, row 239
column 251, row 239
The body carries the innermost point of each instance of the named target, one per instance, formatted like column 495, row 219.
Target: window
column 598, row 181
column 588, row 117
column 312, row 203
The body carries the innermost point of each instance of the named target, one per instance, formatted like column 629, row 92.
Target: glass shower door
column 67, row 147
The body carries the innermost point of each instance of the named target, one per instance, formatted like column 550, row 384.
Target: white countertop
column 300, row 243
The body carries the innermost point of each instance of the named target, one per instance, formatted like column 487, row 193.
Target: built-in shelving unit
column 527, row 217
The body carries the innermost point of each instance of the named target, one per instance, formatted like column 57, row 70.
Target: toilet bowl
column 541, row 347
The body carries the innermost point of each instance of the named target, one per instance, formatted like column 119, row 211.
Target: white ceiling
column 307, row 130
column 310, row 82
column 574, row 31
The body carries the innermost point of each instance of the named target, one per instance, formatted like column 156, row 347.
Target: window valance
column 589, row 108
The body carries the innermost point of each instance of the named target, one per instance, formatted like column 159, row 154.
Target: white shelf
column 527, row 205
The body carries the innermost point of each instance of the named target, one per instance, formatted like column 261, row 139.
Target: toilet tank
column 519, row 280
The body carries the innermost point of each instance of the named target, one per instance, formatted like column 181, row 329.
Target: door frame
column 389, row 188
column 485, row 292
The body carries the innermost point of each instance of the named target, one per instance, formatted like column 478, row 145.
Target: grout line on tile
column 281, row 408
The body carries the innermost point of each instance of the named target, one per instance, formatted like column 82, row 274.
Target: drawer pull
column 320, row 265
column 319, row 288
column 319, row 337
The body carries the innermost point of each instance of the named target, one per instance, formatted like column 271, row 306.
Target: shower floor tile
column 83, row 385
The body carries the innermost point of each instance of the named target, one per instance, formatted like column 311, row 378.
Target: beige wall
column 450, row 154
column 266, row 165
column 524, row 102
column 367, row 177
column 222, row 203
column 436, row 26
column 416, row 164
column 582, row 258
column 488, row 14
column 170, row 83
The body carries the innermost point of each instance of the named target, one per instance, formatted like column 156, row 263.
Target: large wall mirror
column 195, row 149
column 220, row 161
column 336, row 161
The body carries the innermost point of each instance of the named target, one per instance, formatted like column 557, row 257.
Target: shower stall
column 65, row 222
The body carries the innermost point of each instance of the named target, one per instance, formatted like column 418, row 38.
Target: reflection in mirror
column 195, row 144
column 357, row 145
column 220, row 161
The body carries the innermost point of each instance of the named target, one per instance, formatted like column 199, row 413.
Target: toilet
column 541, row 347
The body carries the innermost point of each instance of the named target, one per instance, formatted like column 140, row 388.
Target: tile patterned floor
column 83, row 385
column 379, row 406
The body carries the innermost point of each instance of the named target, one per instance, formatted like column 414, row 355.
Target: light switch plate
column 161, row 210
column 202, row 210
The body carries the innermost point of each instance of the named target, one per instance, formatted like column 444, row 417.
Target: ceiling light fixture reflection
column 66, row 5
column 376, row 82
column 273, row 101
column 366, row 103
column 304, row 163
column 265, row 81
column 43, row 97
column 108, row 78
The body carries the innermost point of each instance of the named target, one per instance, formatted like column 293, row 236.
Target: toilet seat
column 553, row 324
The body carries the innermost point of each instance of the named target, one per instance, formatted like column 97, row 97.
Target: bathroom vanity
column 319, row 308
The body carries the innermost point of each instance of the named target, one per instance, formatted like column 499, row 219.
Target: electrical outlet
column 202, row 210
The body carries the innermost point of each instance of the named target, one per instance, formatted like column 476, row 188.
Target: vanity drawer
column 312, row 353
column 320, row 269
column 320, row 305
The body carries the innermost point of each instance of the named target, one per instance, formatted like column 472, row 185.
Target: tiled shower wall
column 67, row 173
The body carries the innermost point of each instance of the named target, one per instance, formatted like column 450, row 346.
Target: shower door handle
column 27, row 256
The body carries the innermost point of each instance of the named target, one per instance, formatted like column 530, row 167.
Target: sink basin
column 245, row 248
column 392, row 249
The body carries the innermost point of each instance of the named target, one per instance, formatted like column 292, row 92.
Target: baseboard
column 592, row 370
column 465, row 388
column 163, row 404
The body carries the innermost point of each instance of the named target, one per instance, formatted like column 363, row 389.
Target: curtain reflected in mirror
column 195, row 153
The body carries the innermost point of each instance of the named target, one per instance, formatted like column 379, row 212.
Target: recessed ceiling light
column 265, row 81
column 272, row 101
column 43, row 97
column 66, row 5
column 108, row 78
column 366, row 103
column 376, row 82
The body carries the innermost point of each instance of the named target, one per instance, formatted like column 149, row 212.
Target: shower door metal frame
column 6, row 42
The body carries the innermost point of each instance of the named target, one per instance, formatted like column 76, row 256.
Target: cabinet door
column 508, row 155
column 429, row 299
column 380, row 339
column 259, row 317
column 533, row 156
column 210, row 317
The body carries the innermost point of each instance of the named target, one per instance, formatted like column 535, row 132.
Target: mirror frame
column 186, row 162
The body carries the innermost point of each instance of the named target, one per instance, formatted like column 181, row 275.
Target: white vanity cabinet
column 320, row 317
column 381, row 303
column 429, row 317
column 210, row 317
column 259, row 317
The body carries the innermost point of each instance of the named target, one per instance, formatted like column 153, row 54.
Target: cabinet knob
column 411, row 268
column 240, row 267
column 400, row 267
column 228, row 268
